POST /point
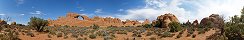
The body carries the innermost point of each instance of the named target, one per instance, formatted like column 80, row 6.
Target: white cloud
column 121, row 10
column 200, row 9
column 2, row 14
column 22, row 14
column 37, row 13
column 82, row 10
column 98, row 11
column 20, row 2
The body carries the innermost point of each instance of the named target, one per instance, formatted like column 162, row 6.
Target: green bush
column 94, row 26
column 175, row 27
column 30, row 34
column 38, row 23
column 79, row 39
column 59, row 35
column 178, row 36
column 194, row 35
column 121, row 32
column 152, row 38
column 147, row 25
column 92, row 36
column 167, row 34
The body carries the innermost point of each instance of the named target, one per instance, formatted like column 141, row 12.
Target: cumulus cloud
column 22, row 14
column 20, row 2
column 121, row 10
column 2, row 14
column 98, row 11
column 37, row 13
column 185, row 9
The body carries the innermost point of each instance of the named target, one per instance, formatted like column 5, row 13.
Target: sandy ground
column 43, row 36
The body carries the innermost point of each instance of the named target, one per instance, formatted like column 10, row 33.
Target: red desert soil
column 43, row 36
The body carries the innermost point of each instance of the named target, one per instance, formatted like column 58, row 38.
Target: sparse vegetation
column 92, row 36
column 38, row 23
column 175, row 27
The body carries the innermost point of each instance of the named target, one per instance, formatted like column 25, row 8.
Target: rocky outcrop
column 74, row 19
column 2, row 22
column 131, row 23
column 13, row 23
column 195, row 23
column 165, row 19
column 84, row 17
column 146, row 21
column 213, row 20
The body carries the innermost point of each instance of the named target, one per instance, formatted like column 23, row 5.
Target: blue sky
column 21, row 10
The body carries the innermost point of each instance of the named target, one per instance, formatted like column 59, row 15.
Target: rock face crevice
column 72, row 19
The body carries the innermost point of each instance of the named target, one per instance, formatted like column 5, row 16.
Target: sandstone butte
column 74, row 19
column 164, row 20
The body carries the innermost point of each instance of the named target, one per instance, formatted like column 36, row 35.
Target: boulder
column 13, row 23
column 146, row 21
column 195, row 23
column 165, row 19
column 215, row 20
column 2, row 22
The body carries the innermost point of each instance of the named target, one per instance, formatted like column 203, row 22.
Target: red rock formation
column 166, row 19
column 2, row 22
column 146, row 21
column 72, row 19
column 131, row 23
column 214, row 19
column 195, row 23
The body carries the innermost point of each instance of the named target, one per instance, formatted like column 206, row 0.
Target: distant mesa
column 73, row 19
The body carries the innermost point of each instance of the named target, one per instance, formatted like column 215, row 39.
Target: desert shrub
column 188, row 35
column 38, row 23
column 181, row 32
column 194, row 35
column 201, row 30
column 79, row 39
column 74, row 35
column 65, row 37
column 112, row 35
column 9, row 36
column 178, row 36
column 107, row 38
column 52, row 32
column 49, row 36
column 121, row 32
column 216, row 36
column 134, row 35
column 235, row 32
column 175, row 27
column 147, row 25
column 139, row 35
column 92, row 36
column 94, row 26
column 149, row 33
column 152, row 38
column 59, row 35
column 190, row 31
column 30, row 34
column 167, row 34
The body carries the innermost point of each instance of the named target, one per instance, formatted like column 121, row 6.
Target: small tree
column 147, row 25
column 175, row 27
column 38, row 23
